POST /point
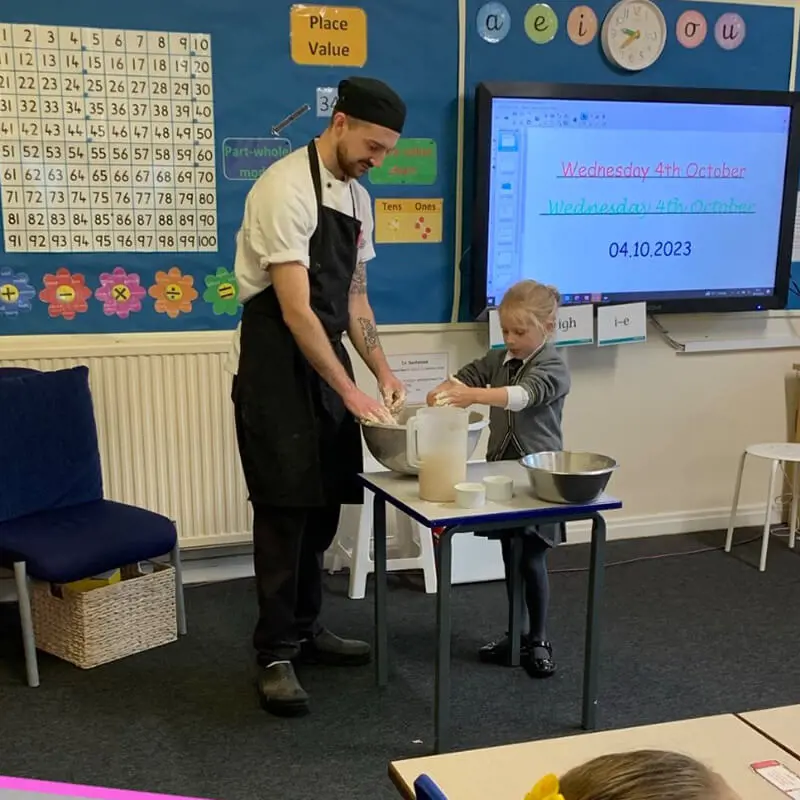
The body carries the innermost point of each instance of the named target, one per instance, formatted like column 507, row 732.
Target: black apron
column 299, row 446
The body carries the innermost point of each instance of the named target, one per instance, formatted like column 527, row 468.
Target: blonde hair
column 644, row 775
column 533, row 303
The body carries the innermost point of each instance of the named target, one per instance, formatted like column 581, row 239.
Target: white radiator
column 167, row 439
column 165, row 424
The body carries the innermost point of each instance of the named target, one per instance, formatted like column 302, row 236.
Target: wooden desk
column 782, row 725
column 726, row 743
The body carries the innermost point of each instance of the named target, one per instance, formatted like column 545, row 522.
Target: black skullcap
column 371, row 100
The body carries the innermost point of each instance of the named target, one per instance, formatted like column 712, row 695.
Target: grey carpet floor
column 683, row 636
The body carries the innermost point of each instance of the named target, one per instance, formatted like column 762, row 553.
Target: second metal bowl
column 564, row 476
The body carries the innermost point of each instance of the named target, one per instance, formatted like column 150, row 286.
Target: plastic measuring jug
column 436, row 446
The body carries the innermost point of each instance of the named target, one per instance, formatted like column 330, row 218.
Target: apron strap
column 316, row 179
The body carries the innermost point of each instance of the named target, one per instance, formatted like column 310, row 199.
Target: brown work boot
column 280, row 692
column 328, row 648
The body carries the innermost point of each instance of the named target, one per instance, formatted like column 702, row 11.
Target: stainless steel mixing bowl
column 568, row 477
column 387, row 443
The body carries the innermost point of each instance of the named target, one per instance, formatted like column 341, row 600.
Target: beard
column 350, row 167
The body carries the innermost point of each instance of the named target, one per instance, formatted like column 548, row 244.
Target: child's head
column 528, row 314
column 644, row 775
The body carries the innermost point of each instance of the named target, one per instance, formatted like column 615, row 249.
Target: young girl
column 637, row 775
column 525, row 385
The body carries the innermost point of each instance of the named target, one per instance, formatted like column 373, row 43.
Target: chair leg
column 735, row 505
column 180, row 605
column 343, row 542
column 360, row 560
column 26, row 619
column 336, row 559
column 773, row 478
column 428, row 556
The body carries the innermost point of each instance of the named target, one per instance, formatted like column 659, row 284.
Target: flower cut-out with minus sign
column 65, row 293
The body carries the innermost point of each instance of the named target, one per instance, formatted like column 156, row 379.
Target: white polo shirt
column 280, row 216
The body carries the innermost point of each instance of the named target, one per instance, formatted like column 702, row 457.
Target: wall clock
column 634, row 34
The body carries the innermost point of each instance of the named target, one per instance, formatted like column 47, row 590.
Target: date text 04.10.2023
column 664, row 249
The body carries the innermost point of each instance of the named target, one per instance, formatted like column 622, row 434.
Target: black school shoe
column 536, row 664
column 279, row 691
column 328, row 648
column 499, row 651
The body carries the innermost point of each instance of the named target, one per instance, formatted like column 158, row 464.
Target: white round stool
column 779, row 453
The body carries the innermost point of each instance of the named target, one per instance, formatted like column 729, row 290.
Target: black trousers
column 289, row 544
column 288, row 548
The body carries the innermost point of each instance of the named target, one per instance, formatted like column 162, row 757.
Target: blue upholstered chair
column 55, row 524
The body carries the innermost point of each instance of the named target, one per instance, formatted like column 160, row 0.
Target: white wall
column 676, row 423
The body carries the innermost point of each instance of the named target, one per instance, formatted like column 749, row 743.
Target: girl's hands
column 434, row 395
column 458, row 395
column 452, row 393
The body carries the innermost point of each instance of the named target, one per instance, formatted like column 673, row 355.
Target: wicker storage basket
column 94, row 627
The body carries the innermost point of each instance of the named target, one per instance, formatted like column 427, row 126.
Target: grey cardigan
column 537, row 427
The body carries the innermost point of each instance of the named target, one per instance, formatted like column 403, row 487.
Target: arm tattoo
column 369, row 333
column 358, row 284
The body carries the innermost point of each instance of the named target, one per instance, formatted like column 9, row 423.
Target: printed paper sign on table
column 780, row 776
column 420, row 373
column 621, row 324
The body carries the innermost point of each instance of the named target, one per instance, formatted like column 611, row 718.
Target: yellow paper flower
column 545, row 789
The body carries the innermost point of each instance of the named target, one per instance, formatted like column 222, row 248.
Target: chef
column 301, row 255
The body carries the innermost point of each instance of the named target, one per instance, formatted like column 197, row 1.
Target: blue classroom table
column 402, row 492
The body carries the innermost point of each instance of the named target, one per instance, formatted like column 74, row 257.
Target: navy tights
column 535, row 582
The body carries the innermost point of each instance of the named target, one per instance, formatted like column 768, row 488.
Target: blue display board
column 266, row 104
column 761, row 61
column 258, row 86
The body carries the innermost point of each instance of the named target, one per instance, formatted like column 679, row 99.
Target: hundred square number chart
column 131, row 134
column 106, row 140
